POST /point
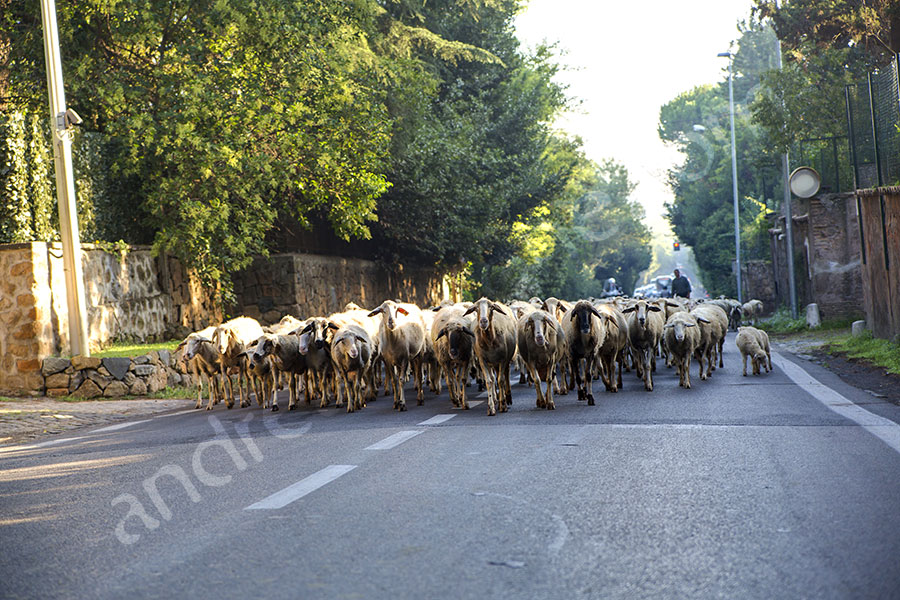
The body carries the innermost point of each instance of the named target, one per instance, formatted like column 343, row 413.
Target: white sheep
column 611, row 354
column 402, row 336
column 495, row 348
column 645, row 328
column 231, row 339
column 541, row 345
column 202, row 358
column 752, row 344
column 351, row 353
column 682, row 336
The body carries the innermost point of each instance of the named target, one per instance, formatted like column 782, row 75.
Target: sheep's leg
column 505, row 387
column 744, row 359
column 461, row 386
column 548, row 398
column 420, row 384
column 229, row 394
column 396, row 373
column 589, row 384
column 720, row 352
column 646, row 359
column 486, row 375
column 532, row 372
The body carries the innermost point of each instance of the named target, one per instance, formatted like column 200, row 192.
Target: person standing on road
column 681, row 287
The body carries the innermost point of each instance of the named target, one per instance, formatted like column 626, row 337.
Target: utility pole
column 61, row 122
column 734, row 185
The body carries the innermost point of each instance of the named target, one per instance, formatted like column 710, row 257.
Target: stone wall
column 303, row 285
column 89, row 377
column 758, row 283
column 826, row 255
column 130, row 296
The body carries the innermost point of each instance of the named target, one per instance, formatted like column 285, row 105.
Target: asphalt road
column 743, row 487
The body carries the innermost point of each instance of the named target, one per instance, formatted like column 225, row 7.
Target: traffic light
column 676, row 246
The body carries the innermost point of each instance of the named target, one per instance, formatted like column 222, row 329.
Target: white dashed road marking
column 437, row 420
column 301, row 488
column 120, row 426
column 393, row 441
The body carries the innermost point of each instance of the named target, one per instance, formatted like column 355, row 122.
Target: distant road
column 743, row 487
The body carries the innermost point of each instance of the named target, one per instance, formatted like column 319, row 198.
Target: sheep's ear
column 253, row 343
column 498, row 308
column 668, row 325
column 672, row 305
column 436, row 308
column 597, row 312
column 630, row 309
column 333, row 325
column 653, row 308
column 442, row 333
column 402, row 310
column 572, row 314
column 181, row 345
column 702, row 320
column 544, row 306
column 470, row 311
column 467, row 332
column 374, row 312
column 690, row 324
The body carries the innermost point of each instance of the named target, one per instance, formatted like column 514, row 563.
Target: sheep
column 402, row 336
column 682, row 336
column 372, row 327
column 585, row 333
column 453, row 338
column 351, row 353
column 264, row 375
column 754, row 343
column 733, row 310
column 752, row 310
column 645, row 328
column 717, row 327
column 614, row 347
column 231, row 339
column 430, row 362
column 541, row 344
column 495, row 347
column 520, row 309
column 314, row 344
column 201, row 356
column 284, row 353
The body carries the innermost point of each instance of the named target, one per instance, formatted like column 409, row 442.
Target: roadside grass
column 7, row 399
column 781, row 323
column 179, row 392
column 129, row 350
column 877, row 351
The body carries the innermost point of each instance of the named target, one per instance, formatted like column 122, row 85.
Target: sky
column 626, row 60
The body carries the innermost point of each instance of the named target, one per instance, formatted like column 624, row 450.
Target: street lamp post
column 734, row 186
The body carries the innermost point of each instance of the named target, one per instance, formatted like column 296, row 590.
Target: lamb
column 201, row 357
column 231, row 339
column 682, row 336
column 541, row 344
column 351, row 353
column 495, row 347
column 453, row 337
column 585, row 334
column 402, row 336
column 645, row 328
column 754, row 343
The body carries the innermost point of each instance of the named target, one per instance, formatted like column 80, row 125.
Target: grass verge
column 781, row 323
column 131, row 350
column 878, row 351
column 178, row 392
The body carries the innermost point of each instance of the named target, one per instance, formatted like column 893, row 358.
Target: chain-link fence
column 873, row 121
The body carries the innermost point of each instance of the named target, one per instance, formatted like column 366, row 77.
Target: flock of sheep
column 554, row 344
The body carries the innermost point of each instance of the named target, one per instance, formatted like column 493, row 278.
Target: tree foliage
column 422, row 125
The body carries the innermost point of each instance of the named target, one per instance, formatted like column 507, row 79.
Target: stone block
column 165, row 357
column 141, row 360
column 54, row 365
column 138, row 388
column 85, row 362
column 28, row 365
column 101, row 380
column 117, row 366
column 20, row 269
column 57, row 380
column 857, row 328
column 103, row 370
column 157, row 381
column 89, row 389
column 173, row 379
column 115, row 389
column 76, row 380
column 58, row 392
column 129, row 379
column 144, row 370
column 813, row 319
column 27, row 331
column 153, row 356
column 25, row 300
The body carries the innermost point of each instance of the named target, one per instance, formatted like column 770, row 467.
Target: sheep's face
column 679, row 328
column 584, row 312
column 485, row 309
column 391, row 313
column 543, row 329
column 458, row 340
column 314, row 335
column 641, row 308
